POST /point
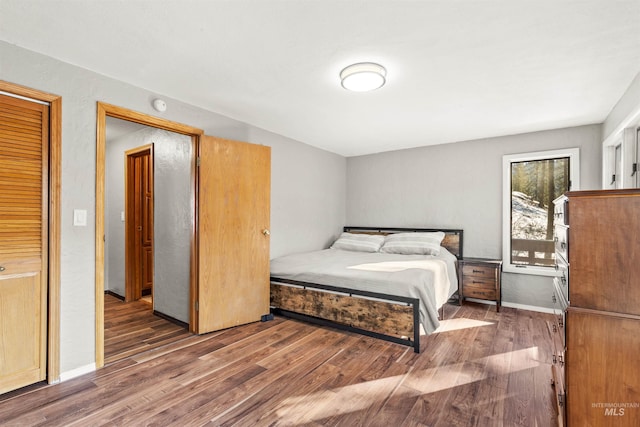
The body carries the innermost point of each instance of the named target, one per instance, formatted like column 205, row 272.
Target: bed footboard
column 389, row 317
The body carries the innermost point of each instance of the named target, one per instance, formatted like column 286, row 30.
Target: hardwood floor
column 131, row 328
column 481, row 369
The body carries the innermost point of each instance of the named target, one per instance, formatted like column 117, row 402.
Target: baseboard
column 514, row 305
column 171, row 319
column 481, row 301
column 113, row 294
column 64, row 376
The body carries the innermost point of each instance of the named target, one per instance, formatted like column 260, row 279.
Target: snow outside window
column 531, row 181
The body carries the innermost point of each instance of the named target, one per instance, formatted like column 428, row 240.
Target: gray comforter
column 431, row 279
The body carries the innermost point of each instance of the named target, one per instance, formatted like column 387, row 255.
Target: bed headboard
column 452, row 238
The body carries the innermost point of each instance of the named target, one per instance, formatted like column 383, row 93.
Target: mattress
column 430, row 278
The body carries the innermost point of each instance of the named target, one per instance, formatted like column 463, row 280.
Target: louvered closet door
column 23, row 243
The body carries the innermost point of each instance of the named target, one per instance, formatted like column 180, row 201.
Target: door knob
column 266, row 232
column 2, row 269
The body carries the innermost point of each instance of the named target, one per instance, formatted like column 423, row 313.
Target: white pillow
column 413, row 243
column 359, row 242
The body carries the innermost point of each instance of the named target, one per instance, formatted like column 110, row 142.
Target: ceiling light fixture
column 363, row 76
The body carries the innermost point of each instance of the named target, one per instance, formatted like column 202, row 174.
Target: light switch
column 80, row 217
column 122, row 216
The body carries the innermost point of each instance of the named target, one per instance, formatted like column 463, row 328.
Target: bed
column 386, row 293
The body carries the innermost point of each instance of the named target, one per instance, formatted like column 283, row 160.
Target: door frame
column 104, row 110
column 132, row 289
column 55, row 190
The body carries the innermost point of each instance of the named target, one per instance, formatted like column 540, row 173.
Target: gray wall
column 460, row 186
column 173, row 216
column 310, row 184
column 80, row 90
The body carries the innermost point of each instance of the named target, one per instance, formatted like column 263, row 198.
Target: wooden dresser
column 596, row 331
column 480, row 278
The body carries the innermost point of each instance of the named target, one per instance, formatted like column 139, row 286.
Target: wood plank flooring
column 481, row 368
column 131, row 328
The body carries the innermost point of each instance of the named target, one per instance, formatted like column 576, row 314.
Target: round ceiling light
column 363, row 77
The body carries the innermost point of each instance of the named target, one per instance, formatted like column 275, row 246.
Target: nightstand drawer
column 479, row 289
column 479, row 271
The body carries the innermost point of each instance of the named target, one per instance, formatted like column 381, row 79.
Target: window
column 531, row 182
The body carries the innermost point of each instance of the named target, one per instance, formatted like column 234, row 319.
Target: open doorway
column 148, row 211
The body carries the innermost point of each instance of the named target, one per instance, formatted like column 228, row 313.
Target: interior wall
column 308, row 195
column 460, row 186
column 173, row 216
column 173, row 221
column 80, row 90
column 626, row 110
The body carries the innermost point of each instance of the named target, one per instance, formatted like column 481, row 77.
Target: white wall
column 620, row 129
column 625, row 112
column 80, row 90
column 460, row 186
column 173, row 217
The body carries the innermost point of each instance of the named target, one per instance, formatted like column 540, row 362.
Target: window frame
column 574, row 184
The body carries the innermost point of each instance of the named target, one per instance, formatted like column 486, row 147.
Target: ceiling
column 456, row 70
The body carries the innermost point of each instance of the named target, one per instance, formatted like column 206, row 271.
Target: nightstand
column 480, row 278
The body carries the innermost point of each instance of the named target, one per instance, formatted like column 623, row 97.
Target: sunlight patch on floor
column 338, row 401
column 357, row 397
column 460, row 323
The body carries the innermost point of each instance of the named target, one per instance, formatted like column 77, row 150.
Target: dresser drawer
column 562, row 267
column 479, row 271
column 558, row 340
column 560, row 210
column 561, row 239
column 561, row 294
column 560, row 394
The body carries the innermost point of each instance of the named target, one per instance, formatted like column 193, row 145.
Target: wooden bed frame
column 390, row 317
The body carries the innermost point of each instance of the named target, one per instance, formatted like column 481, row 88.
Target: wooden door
column 139, row 222
column 24, row 198
column 234, row 188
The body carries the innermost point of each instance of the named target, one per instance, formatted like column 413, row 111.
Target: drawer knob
column 478, row 271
